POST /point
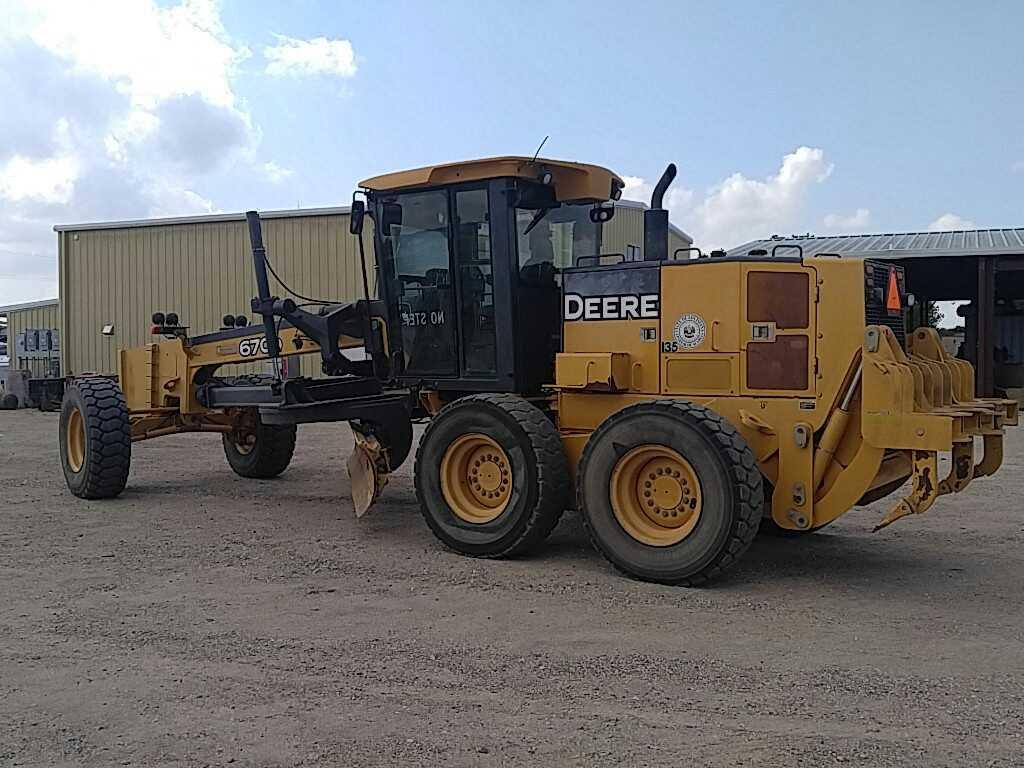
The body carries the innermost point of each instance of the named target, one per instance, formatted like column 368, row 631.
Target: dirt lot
column 204, row 619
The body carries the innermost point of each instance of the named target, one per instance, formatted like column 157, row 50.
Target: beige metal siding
column 37, row 318
column 201, row 270
column 675, row 241
column 627, row 228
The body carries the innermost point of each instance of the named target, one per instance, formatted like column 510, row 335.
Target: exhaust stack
column 656, row 220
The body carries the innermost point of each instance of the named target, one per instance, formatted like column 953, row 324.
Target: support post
column 985, row 321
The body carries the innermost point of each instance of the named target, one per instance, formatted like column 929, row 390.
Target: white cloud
column 636, row 188
column 124, row 110
column 951, row 221
column 677, row 198
column 276, row 173
column 127, row 131
column 318, row 56
column 47, row 180
column 857, row 220
column 50, row 180
column 150, row 53
column 740, row 209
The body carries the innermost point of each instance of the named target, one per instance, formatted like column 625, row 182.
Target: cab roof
column 571, row 181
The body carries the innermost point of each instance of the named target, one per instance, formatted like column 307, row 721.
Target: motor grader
column 679, row 402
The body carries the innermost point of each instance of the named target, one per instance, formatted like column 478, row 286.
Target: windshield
column 560, row 237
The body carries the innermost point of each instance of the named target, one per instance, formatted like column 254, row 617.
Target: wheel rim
column 655, row 495
column 476, row 478
column 245, row 444
column 75, row 439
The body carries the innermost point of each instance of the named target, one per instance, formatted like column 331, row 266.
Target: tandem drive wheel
column 95, row 438
column 670, row 492
column 491, row 475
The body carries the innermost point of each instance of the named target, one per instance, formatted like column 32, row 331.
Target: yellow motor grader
column 678, row 403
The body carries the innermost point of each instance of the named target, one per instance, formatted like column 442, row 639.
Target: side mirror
column 600, row 214
column 356, row 216
column 390, row 215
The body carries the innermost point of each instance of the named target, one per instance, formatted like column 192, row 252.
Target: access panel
column 778, row 347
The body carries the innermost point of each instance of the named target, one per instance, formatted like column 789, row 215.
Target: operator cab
column 469, row 262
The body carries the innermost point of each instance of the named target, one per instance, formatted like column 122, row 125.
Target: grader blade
column 923, row 491
column 367, row 472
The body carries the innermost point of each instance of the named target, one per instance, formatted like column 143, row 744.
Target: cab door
column 417, row 267
column 442, row 257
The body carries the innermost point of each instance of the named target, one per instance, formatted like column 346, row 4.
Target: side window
column 546, row 246
column 476, row 280
column 423, row 284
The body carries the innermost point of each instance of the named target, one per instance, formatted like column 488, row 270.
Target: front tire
column 670, row 492
column 491, row 476
column 95, row 438
column 260, row 451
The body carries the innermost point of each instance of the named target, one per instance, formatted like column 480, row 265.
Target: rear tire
column 670, row 492
column 263, row 453
column 491, row 476
column 95, row 438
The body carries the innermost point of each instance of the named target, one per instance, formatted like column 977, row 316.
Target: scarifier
column 680, row 403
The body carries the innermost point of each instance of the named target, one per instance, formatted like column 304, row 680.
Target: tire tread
column 275, row 446
column 552, row 468
column 108, row 437
column 741, row 465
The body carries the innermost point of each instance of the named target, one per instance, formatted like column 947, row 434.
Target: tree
column 932, row 314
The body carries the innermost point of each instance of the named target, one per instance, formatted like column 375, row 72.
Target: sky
column 783, row 118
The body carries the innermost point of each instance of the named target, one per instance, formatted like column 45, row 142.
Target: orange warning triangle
column 892, row 300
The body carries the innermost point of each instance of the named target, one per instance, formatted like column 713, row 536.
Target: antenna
column 539, row 149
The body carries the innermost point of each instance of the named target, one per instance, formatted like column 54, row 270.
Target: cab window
column 422, row 282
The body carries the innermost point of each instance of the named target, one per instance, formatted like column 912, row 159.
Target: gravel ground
column 202, row 619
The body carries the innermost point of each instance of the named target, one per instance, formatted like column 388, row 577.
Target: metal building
column 32, row 332
column 984, row 267
column 119, row 273
column 625, row 232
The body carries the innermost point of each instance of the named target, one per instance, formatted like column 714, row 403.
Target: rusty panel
column 782, row 298
column 781, row 364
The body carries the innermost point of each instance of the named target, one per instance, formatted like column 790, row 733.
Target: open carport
column 983, row 267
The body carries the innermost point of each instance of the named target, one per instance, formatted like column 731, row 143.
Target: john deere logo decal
column 690, row 331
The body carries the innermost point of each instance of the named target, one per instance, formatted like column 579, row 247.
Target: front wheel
column 260, row 451
column 670, row 492
column 491, row 476
column 95, row 438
